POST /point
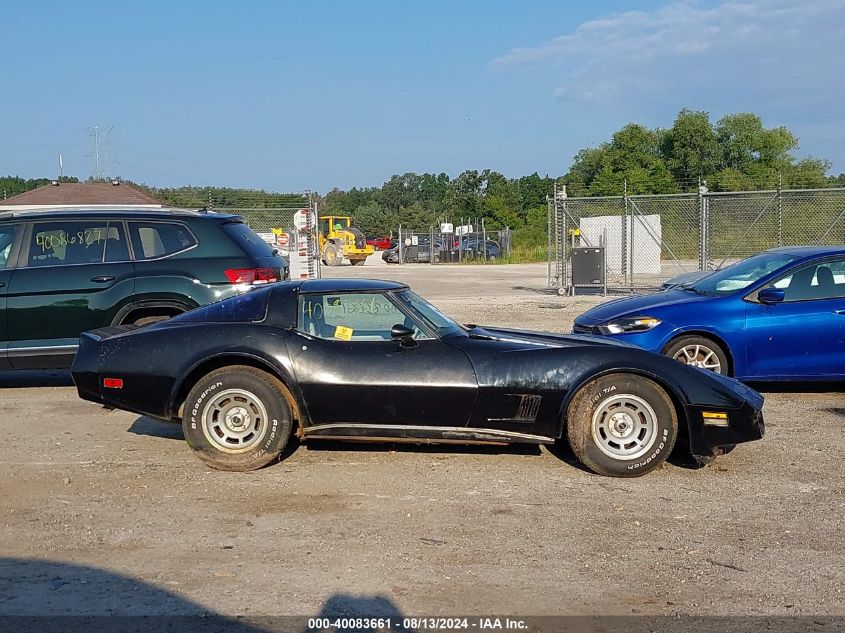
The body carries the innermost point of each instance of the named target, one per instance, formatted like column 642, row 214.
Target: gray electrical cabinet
column 588, row 267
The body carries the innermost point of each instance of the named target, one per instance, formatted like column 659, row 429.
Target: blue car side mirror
column 771, row 295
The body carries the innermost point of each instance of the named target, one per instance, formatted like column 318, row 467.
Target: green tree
column 690, row 148
column 374, row 220
column 463, row 196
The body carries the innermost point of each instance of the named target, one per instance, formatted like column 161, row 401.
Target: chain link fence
column 293, row 231
column 651, row 238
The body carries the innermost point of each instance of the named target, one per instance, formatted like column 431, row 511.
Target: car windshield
column 742, row 274
column 429, row 314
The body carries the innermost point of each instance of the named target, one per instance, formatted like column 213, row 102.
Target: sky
column 288, row 96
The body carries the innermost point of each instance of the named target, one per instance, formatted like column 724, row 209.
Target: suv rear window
column 71, row 242
column 251, row 306
column 152, row 240
column 248, row 239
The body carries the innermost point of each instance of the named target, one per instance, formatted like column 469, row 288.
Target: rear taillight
column 252, row 276
column 113, row 383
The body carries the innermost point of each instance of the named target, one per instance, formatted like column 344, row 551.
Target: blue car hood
column 638, row 305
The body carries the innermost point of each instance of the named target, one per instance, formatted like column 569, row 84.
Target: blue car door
column 804, row 335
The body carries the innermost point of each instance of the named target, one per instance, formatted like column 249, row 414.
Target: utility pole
column 100, row 138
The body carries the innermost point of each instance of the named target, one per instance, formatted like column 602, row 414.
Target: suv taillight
column 253, row 276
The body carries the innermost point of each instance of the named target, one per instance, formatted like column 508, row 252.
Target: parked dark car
column 418, row 253
column 779, row 315
column 362, row 359
column 63, row 271
column 471, row 245
column 685, row 279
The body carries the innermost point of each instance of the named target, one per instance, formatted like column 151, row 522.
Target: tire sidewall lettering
column 654, row 454
column 195, row 409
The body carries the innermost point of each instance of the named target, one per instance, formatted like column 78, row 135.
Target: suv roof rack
column 13, row 213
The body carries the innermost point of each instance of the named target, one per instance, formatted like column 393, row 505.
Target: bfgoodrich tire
column 237, row 418
column 622, row 425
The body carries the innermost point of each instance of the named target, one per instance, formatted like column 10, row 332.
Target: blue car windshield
column 742, row 274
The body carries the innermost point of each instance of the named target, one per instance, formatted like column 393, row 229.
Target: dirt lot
column 424, row 530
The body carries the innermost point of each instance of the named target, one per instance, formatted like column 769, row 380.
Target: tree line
column 735, row 153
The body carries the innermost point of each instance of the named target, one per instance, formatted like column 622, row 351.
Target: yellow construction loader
column 338, row 239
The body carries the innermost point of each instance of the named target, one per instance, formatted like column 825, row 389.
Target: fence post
column 780, row 210
column 549, row 240
column 430, row 244
column 625, row 225
column 484, row 239
column 461, row 242
column 703, row 239
column 313, row 235
column 401, row 245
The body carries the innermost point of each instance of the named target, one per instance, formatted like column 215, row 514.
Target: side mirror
column 402, row 333
column 771, row 295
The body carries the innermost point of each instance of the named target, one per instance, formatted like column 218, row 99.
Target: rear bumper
column 86, row 367
column 708, row 440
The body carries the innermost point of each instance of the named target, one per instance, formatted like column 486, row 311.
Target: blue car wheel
column 699, row 351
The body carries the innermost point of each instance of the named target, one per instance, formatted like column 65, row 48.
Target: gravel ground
column 106, row 512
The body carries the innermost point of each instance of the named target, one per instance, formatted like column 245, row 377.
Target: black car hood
column 545, row 339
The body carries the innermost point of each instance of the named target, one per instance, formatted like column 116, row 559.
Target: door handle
column 101, row 279
column 841, row 312
column 2, row 283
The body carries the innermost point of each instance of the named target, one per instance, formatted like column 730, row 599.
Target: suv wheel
column 154, row 318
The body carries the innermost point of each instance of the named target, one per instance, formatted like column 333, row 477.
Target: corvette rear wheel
column 622, row 425
column 237, row 418
column 698, row 351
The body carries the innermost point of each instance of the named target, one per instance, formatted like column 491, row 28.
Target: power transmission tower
column 100, row 139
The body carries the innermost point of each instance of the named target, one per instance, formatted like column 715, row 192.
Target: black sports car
column 362, row 359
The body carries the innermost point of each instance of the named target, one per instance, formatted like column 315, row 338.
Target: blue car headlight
column 625, row 325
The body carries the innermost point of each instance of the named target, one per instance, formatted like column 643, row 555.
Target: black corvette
column 371, row 360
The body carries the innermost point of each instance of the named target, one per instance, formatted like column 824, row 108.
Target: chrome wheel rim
column 699, row 356
column 624, row 427
column 234, row 421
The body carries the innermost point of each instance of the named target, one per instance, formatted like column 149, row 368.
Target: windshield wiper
column 693, row 289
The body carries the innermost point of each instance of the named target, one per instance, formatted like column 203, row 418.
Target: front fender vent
column 526, row 411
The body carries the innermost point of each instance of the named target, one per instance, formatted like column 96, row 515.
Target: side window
column 61, row 243
column 152, row 240
column 7, row 240
column 351, row 317
column 816, row 281
column 117, row 249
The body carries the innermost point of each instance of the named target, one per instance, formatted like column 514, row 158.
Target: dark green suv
column 64, row 271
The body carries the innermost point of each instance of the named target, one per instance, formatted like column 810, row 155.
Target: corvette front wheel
column 237, row 418
column 622, row 425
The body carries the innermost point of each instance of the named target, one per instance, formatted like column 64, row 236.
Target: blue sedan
column 779, row 315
